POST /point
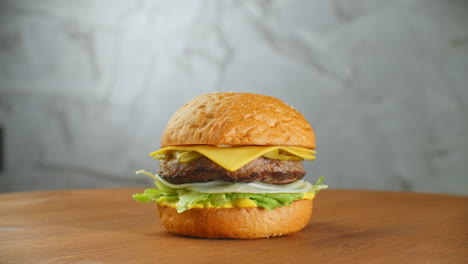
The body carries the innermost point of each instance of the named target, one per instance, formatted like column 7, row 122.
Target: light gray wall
column 86, row 87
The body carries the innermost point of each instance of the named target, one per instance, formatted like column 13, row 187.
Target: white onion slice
column 299, row 186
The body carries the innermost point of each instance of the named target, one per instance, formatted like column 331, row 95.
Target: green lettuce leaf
column 186, row 198
column 318, row 185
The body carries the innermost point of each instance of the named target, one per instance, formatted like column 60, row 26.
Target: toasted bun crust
column 237, row 223
column 238, row 119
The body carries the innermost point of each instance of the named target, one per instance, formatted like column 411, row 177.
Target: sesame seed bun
column 238, row 119
column 237, row 223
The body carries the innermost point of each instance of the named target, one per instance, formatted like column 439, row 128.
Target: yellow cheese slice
column 233, row 158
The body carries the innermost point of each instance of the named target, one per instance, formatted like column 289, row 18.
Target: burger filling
column 203, row 176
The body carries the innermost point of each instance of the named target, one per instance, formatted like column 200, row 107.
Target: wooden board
column 107, row 226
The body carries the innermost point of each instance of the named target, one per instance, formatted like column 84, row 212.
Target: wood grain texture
column 107, row 226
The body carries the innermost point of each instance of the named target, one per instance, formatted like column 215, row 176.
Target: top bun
column 238, row 119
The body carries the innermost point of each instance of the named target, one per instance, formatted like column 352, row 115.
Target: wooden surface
column 107, row 226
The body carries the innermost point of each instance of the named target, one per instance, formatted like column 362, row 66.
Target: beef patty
column 259, row 170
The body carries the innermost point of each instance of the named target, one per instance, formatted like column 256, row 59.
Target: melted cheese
column 241, row 203
column 233, row 158
column 308, row 196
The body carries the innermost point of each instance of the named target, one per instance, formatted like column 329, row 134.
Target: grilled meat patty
column 259, row 170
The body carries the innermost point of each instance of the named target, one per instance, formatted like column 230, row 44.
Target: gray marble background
column 86, row 87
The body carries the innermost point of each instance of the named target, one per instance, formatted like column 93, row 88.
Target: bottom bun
column 237, row 223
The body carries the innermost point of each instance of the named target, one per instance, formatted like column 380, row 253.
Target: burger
column 231, row 167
